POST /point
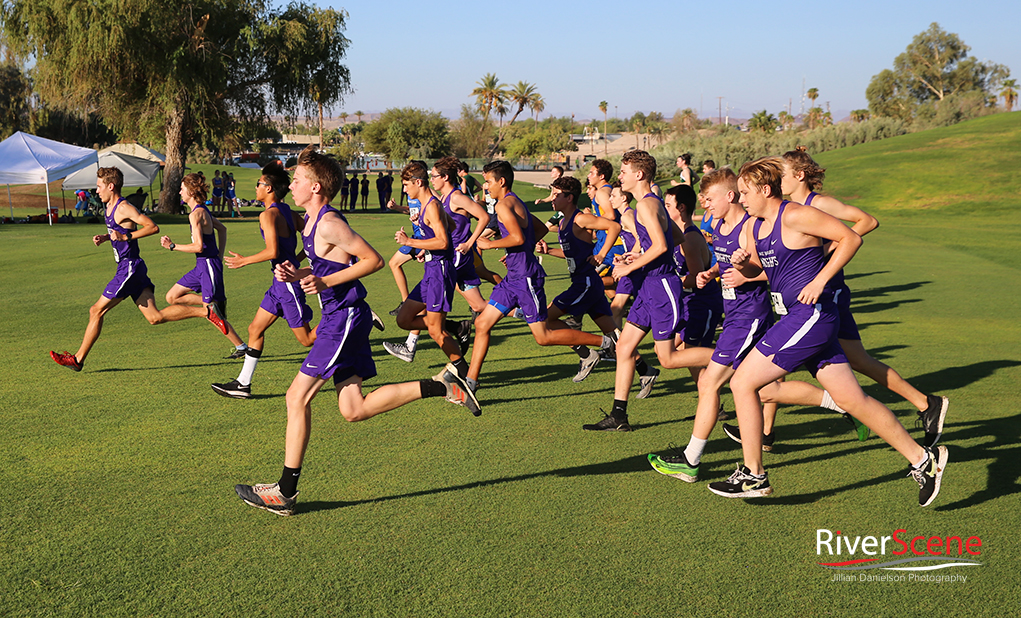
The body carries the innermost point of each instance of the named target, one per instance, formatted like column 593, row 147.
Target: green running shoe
column 676, row 466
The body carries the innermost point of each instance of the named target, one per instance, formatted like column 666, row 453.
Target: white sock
column 412, row 342
column 243, row 346
column 828, row 403
column 922, row 462
column 245, row 377
column 693, row 452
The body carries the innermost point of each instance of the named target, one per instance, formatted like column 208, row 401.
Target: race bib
column 778, row 306
column 116, row 256
column 571, row 265
column 428, row 256
column 729, row 293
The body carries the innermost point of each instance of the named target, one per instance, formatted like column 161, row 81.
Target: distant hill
column 968, row 169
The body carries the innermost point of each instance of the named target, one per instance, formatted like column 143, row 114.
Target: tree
column 541, row 142
column 399, row 131
column 859, row 115
column 684, row 120
column 1009, row 93
column 523, row 94
column 763, row 121
column 603, row 106
column 489, row 94
column 936, row 65
column 471, row 133
column 359, row 115
column 812, row 94
column 814, row 118
column 786, row 120
column 15, row 89
column 182, row 72
column 538, row 106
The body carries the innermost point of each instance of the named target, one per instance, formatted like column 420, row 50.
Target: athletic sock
column 925, row 460
column 829, row 404
column 693, row 452
column 608, row 342
column 432, row 388
column 289, row 481
column 243, row 346
column 251, row 360
column 619, row 410
column 461, row 366
column 642, row 367
column 581, row 350
column 412, row 342
column 472, row 384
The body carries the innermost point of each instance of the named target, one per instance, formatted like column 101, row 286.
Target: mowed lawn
column 119, row 479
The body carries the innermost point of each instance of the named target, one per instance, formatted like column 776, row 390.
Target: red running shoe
column 214, row 315
column 67, row 360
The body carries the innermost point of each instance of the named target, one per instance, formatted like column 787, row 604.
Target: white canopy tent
column 136, row 150
column 137, row 172
column 29, row 160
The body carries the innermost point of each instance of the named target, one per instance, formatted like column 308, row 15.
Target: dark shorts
column 701, row 316
column 848, row 327
column 585, row 295
column 657, row 306
column 626, row 286
column 206, row 279
column 527, row 293
column 807, row 336
column 131, row 279
column 737, row 340
column 436, row 290
column 287, row 300
column 342, row 347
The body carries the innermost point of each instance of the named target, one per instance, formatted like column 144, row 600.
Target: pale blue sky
column 651, row 55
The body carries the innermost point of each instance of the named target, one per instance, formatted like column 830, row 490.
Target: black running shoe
column 734, row 434
column 931, row 475
column 932, row 418
column 377, row 322
column 396, row 309
column 233, row 389
column 742, row 484
column 573, row 322
column 464, row 333
column 236, row 354
column 609, row 423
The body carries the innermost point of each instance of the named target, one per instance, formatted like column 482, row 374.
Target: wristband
column 172, row 246
column 129, row 236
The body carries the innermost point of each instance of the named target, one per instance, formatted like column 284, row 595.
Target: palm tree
column 359, row 114
column 859, row 115
column 1009, row 93
column 762, row 121
column 812, row 94
column 814, row 117
column 489, row 94
column 603, row 106
column 785, row 119
column 538, row 106
column 637, row 125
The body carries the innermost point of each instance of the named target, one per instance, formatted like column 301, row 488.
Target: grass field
column 120, row 478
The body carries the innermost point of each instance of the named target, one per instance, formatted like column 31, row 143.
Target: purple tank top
column 748, row 301
column 711, row 289
column 462, row 229
column 209, row 247
column 788, row 270
column 576, row 250
column 339, row 296
column 287, row 246
column 122, row 249
column 521, row 260
column 663, row 264
column 837, row 281
column 427, row 232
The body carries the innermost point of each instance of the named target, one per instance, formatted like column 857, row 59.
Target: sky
column 651, row 55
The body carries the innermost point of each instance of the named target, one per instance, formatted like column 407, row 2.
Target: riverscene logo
column 897, row 552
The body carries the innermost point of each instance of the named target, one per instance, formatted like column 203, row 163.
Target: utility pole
column 720, row 121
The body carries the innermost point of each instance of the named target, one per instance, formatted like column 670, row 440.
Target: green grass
column 120, row 479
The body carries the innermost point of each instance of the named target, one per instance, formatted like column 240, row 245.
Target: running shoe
column 573, row 322
column 646, row 383
column 721, row 414
column 931, row 475
column 233, row 389
column 215, row 315
column 464, row 333
column 609, row 423
column 400, row 350
column 860, row 429
column 377, row 322
column 457, row 389
column 587, row 365
column 675, row 465
column 742, row 484
column 932, row 418
column 67, row 360
column 735, row 434
column 236, row 354
column 267, row 496
column 397, row 309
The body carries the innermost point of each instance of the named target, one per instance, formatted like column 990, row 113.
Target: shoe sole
column 646, row 389
column 758, row 493
column 766, row 448
column 230, row 394
column 939, row 424
column 582, row 373
column 266, row 508
column 941, row 466
column 463, row 385
column 214, row 310
column 378, row 323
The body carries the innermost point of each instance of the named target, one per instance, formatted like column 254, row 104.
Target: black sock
column 432, row 388
column 461, row 366
column 642, row 367
column 581, row 350
column 289, row 481
column 253, row 352
column 619, row 410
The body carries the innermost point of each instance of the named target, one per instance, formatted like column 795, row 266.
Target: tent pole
column 62, row 200
column 48, row 218
column 10, row 202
